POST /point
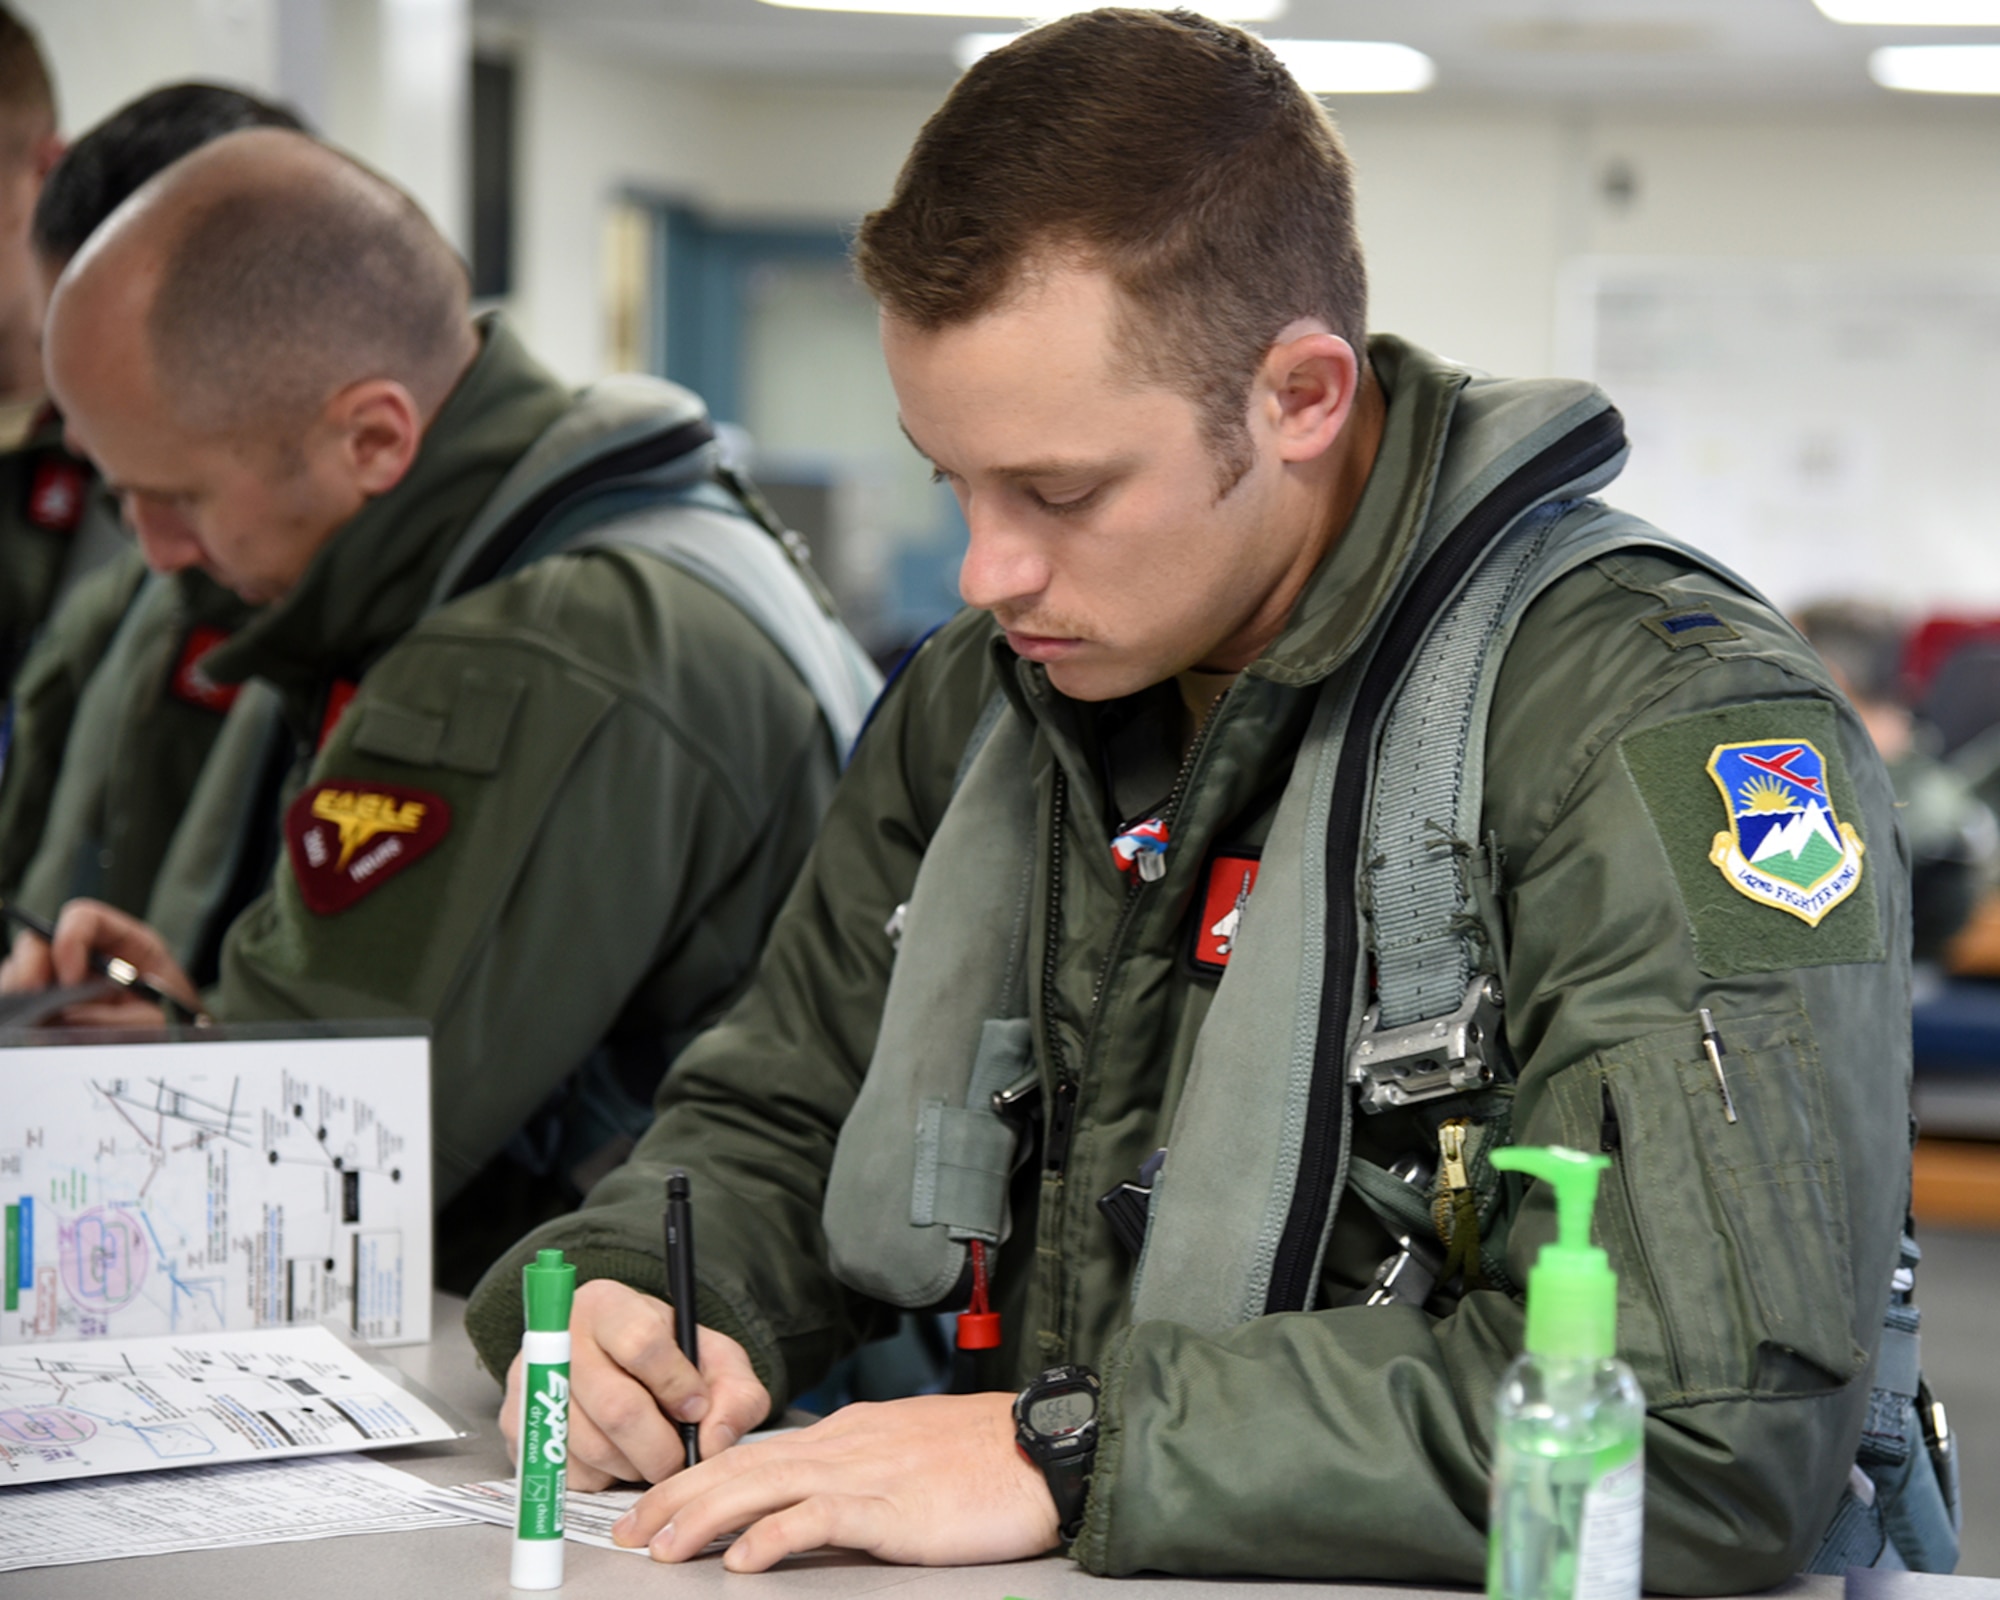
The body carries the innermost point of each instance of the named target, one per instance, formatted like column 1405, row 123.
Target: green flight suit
column 57, row 525
column 1354, row 1441
column 114, row 724
column 47, row 688
column 618, row 773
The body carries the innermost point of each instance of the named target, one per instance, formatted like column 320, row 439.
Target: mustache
column 1041, row 624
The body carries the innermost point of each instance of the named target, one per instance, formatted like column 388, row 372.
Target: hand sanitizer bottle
column 1569, row 1465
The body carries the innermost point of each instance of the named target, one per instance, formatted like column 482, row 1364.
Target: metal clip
column 1396, row 1067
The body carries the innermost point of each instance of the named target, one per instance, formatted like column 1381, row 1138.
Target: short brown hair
column 1173, row 152
column 27, row 97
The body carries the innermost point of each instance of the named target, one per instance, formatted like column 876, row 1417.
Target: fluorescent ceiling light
column 1322, row 66
column 1350, row 66
column 1913, row 13
column 1038, row 10
column 1938, row 68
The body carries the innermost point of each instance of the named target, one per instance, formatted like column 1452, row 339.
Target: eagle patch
column 346, row 839
column 1784, row 846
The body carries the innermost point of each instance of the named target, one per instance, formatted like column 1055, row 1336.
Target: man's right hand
column 629, row 1385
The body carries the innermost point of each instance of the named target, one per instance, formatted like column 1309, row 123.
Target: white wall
column 387, row 79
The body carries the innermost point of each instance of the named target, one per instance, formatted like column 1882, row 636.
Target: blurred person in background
column 113, row 717
column 1954, row 840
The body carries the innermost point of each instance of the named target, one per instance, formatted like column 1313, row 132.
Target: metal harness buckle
column 1396, row 1067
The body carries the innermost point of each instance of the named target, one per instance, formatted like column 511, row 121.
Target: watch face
column 1053, row 1415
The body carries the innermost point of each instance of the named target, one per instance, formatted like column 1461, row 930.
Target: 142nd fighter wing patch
column 1783, row 846
column 347, row 839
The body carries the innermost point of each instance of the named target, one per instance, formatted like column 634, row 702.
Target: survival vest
column 1258, row 1157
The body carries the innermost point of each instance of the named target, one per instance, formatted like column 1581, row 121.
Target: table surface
column 470, row 1563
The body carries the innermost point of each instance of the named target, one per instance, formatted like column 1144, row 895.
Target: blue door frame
column 706, row 283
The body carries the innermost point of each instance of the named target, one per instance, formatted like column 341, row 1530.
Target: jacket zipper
column 1590, row 444
column 1062, row 1109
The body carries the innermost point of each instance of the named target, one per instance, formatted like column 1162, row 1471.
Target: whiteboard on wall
column 1830, row 430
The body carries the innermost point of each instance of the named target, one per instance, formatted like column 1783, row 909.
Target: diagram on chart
column 133, row 1405
column 218, row 1184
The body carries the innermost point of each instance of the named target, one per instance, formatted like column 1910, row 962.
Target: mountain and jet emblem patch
column 1784, row 846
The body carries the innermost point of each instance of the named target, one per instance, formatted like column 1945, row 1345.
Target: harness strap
column 1429, row 785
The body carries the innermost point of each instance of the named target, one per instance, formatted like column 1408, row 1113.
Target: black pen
column 680, row 1289
column 116, row 968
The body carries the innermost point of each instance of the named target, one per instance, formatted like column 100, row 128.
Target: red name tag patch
column 1230, row 880
column 193, row 685
column 56, row 493
column 348, row 839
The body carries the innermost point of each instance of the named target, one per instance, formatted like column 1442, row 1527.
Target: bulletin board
column 1828, row 430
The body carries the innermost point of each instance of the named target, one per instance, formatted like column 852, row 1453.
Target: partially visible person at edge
column 56, row 527
column 1123, row 309
column 1954, row 840
column 548, row 805
column 115, row 771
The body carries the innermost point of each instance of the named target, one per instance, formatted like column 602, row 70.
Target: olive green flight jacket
column 113, row 724
column 1354, row 1441
column 57, row 525
column 618, row 776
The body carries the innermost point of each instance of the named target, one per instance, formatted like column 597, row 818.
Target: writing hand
column 629, row 1384
column 88, row 927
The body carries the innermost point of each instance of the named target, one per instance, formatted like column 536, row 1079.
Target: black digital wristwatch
column 1055, row 1423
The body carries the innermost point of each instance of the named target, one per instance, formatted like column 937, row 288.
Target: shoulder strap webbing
column 1597, row 440
column 670, row 496
column 711, row 540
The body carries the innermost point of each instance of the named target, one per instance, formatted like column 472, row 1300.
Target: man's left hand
column 934, row 1481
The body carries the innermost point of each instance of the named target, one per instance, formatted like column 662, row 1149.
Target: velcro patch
column 56, row 492
column 1712, row 807
column 1232, row 874
column 196, row 687
column 348, row 839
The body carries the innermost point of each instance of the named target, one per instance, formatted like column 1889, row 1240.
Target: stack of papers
column 587, row 1518
column 91, row 1407
column 210, row 1508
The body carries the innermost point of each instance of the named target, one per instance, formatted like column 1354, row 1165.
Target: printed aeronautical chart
column 191, row 1187
column 81, row 1410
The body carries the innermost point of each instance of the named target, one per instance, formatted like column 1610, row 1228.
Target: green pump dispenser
column 1569, row 1466
column 1572, row 1291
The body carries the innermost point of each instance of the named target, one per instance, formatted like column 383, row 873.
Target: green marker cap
column 1572, row 1291
column 548, row 1284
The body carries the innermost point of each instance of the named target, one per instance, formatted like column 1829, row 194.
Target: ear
column 379, row 429
column 1308, row 384
column 45, row 153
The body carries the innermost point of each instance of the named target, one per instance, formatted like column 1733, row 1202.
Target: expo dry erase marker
column 680, row 1289
column 548, row 1284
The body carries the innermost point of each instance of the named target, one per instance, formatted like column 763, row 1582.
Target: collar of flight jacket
column 372, row 581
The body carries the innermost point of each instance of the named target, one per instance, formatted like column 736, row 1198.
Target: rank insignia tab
column 56, row 494
column 195, row 686
column 1784, row 846
column 1231, row 877
column 347, row 839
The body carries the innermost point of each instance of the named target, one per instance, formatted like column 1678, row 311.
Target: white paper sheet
column 587, row 1518
column 209, row 1508
column 93, row 1407
column 211, row 1184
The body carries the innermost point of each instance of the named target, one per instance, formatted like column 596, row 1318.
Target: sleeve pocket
column 1736, row 1233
